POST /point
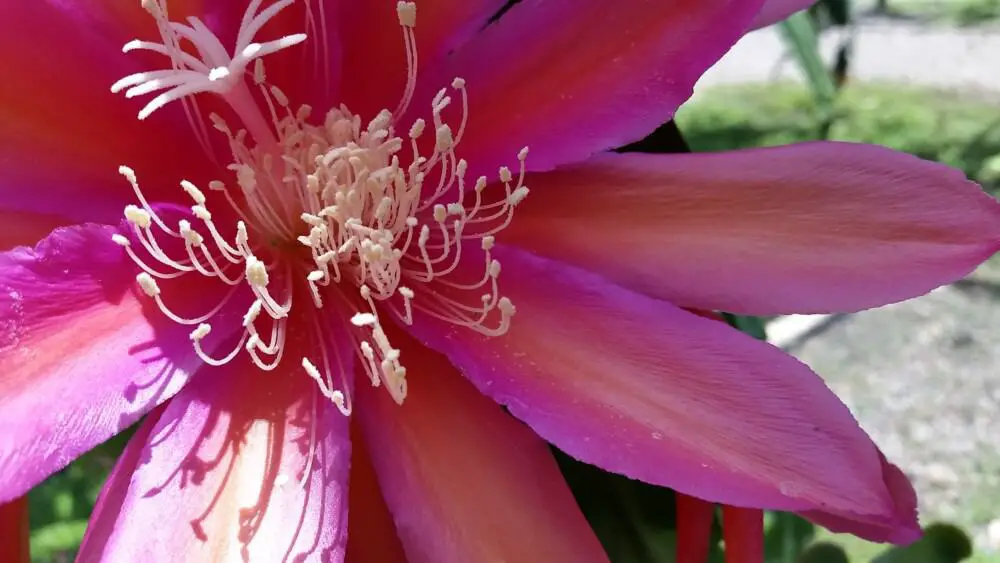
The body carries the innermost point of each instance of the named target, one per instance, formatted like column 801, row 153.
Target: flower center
column 350, row 214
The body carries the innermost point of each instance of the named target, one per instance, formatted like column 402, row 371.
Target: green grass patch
column 960, row 12
column 940, row 126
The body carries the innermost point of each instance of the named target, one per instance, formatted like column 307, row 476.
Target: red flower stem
column 743, row 532
column 694, row 528
column 14, row 531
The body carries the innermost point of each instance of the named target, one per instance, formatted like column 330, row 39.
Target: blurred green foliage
column 961, row 12
column 942, row 126
column 60, row 506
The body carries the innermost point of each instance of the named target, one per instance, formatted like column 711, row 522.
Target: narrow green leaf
column 754, row 326
column 800, row 34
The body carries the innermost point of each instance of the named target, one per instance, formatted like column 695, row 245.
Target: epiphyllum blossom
column 333, row 258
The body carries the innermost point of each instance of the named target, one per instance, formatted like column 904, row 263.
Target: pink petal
column 80, row 361
column 463, row 480
column 639, row 387
column 65, row 57
column 570, row 78
column 218, row 476
column 906, row 504
column 804, row 228
column 373, row 46
column 775, row 11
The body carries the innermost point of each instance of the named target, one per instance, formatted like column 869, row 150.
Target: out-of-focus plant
column 801, row 33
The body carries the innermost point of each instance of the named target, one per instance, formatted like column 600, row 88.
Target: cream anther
column 138, row 217
column 443, row 139
column 256, row 272
column 201, row 332
column 363, row 319
column 120, row 240
column 252, row 313
column 129, row 174
column 253, row 343
column 148, row 284
column 417, row 129
column 189, row 234
column 201, row 212
column 506, row 307
column 440, row 213
column 194, row 192
column 518, row 195
column 241, row 234
column 407, row 12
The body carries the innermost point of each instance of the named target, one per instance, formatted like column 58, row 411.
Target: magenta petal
column 80, row 361
column 241, row 465
column 570, row 78
column 806, row 228
column 640, row 387
column 906, row 506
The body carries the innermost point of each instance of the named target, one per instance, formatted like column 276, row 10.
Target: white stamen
column 370, row 208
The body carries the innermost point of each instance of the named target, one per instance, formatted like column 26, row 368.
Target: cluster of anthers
column 378, row 238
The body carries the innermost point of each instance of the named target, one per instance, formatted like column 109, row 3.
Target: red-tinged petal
column 14, row 531
column 65, row 57
column 808, row 228
column 242, row 465
column 80, row 360
column 775, row 11
column 463, row 480
column 373, row 46
column 570, row 78
column 372, row 537
column 639, row 387
column 19, row 228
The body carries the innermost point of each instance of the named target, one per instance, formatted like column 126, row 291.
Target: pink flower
column 348, row 275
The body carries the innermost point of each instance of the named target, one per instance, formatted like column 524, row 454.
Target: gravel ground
column 884, row 50
column 922, row 378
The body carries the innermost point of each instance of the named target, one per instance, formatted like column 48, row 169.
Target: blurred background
column 921, row 76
